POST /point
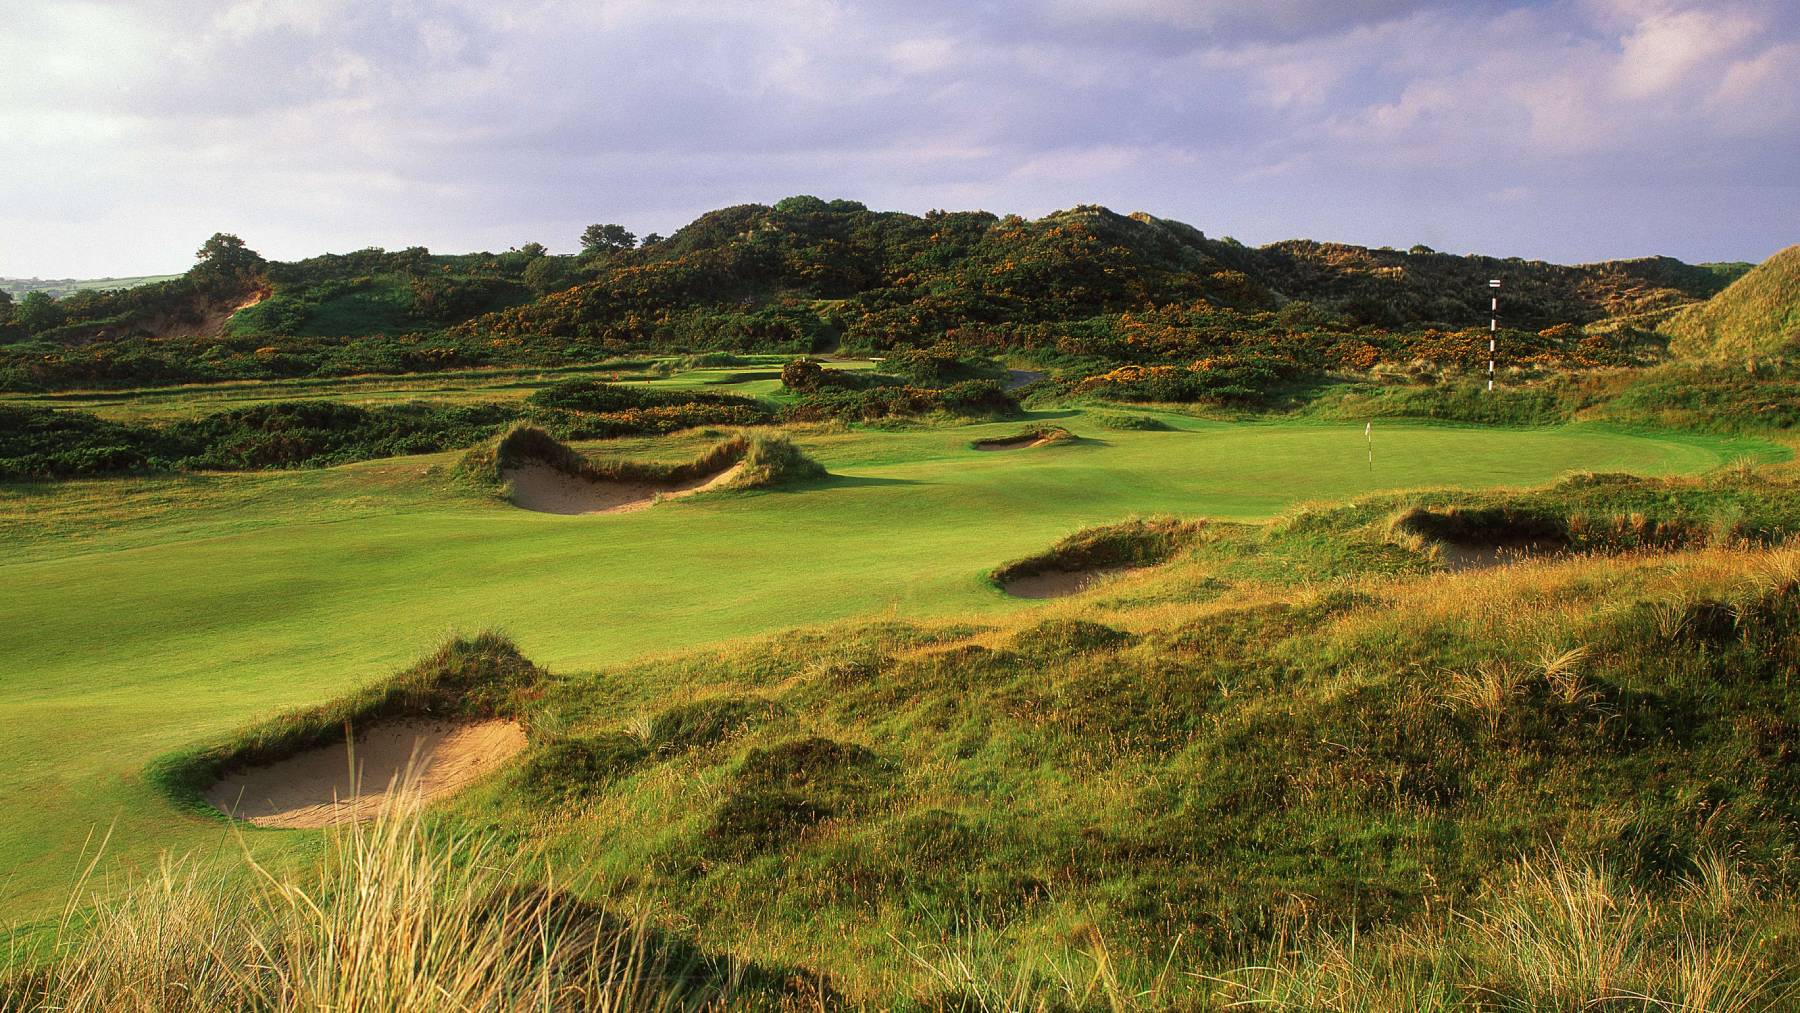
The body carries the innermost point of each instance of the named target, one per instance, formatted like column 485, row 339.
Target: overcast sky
column 1571, row 131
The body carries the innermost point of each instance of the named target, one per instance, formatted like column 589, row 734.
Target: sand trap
column 553, row 491
column 1458, row 558
column 1061, row 583
column 315, row 788
column 1016, row 378
column 1014, row 443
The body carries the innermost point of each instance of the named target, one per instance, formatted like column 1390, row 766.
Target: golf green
column 145, row 615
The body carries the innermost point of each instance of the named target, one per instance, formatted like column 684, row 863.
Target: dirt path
column 316, row 788
column 550, row 490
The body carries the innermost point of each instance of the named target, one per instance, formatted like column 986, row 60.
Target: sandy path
column 316, row 789
column 549, row 490
column 1061, row 583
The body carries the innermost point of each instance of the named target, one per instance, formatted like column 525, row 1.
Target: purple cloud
column 1571, row 130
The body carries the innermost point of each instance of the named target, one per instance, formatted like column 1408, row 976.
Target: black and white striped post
column 1493, row 331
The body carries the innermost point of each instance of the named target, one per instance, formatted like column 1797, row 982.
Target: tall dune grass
column 1552, row 935
column 391, row 918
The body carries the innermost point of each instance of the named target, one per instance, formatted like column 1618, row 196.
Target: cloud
column 136, row 128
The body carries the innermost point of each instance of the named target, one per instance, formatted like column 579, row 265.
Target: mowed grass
column 147, row 615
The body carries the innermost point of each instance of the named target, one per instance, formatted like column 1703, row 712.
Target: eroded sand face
column 1060, row 583
column 1014, row 443
column 553, row 491
column 318, row 788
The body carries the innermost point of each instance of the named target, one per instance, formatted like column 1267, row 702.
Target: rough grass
column 1755, row 318
column 1137, row 542
column 390, row 917
column 1130, row 423
column 1268, row 776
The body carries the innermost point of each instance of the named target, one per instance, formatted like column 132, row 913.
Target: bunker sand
column 1062, row 583
column 1014, row 443
column 408, row 762
column 553, row 491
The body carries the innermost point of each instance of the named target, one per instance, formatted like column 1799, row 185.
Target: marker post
column 1493, row 330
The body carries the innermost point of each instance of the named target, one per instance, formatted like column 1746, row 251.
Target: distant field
column 60, row 287
column 159, row 613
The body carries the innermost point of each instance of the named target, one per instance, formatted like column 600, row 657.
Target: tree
column 38, row 312
column 226, row 263
column 547, row 274
column 533, row 250
column 606, row 239
column 652, row 239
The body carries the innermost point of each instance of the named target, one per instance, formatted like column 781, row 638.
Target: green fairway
column 144, row 615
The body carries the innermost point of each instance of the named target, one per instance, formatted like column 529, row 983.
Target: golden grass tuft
column 393, row 917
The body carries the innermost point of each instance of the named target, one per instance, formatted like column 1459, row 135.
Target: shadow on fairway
column 852, row 482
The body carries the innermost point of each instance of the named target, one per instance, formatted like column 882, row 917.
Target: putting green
column 145, row 615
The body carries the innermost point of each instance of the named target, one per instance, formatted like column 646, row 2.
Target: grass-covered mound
column 1131, row 423
column 1136, row 542
column 1756, row 317
column 467, row 678
column 1033, row 436
column 1565, row 785
column 764, row 460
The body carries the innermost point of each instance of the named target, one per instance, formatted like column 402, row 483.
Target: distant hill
column 1757, row 316
column 1086, row 289
column 896, row 280
column 59, row 287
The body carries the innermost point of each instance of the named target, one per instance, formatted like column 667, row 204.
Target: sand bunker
column 554, row 491
column 1016, row 378
column 1014, row 442
column 1458, row 557
column 316, row 788
column 1061, row 583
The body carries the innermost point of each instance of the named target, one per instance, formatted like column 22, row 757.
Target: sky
column 1567, row 130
